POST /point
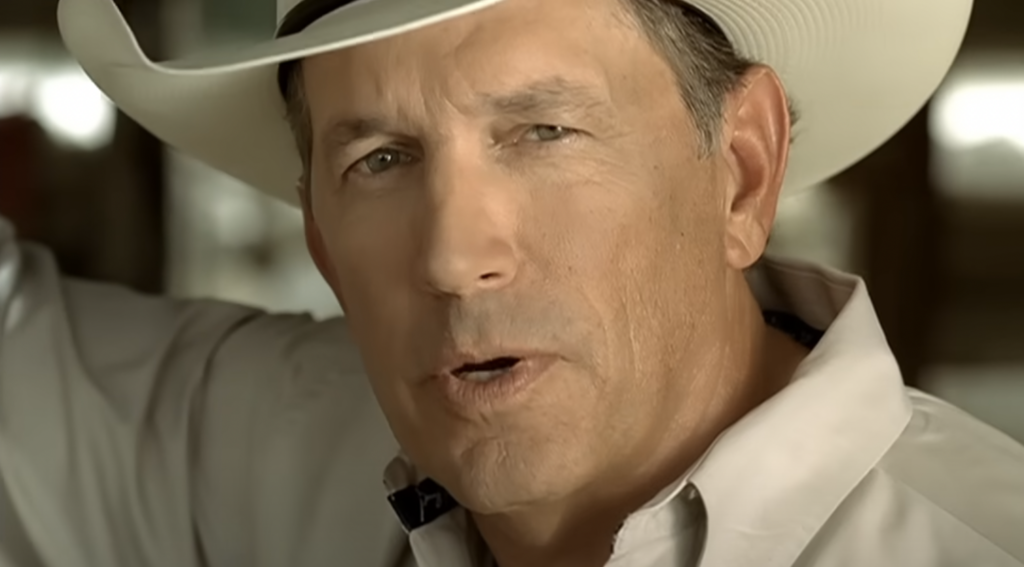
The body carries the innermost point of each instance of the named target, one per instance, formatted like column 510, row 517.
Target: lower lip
column 503, row 390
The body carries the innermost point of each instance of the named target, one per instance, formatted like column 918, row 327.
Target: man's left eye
column 548, row 133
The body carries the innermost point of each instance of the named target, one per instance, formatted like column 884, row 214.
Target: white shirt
column 140, row 431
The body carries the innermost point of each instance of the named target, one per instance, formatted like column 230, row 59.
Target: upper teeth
column 482, row 375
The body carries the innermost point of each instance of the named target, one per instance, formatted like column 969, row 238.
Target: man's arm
column 138, row 431
column 292, row 469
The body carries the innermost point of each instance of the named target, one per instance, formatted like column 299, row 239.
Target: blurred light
column 816, row 225
column 237, row 219
column 993, row 393
column 65, row 102
column 73, row 110
column 14, row 92
column 978, row 113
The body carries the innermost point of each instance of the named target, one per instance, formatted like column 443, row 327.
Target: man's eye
column 549, row 133
column 380, row 161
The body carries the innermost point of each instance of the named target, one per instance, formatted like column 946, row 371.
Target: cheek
column 371, row 250
column 372, row 259
column 637, row 242
column 596, row 237
column 685, row 272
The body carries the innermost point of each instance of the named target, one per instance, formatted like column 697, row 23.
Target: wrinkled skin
column 580, row 220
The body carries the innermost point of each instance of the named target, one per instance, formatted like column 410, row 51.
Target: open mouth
column 487, row 370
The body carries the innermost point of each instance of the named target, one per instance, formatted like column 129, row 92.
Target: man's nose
column 470, row 229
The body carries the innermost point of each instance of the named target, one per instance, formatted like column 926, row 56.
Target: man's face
column 523, row 185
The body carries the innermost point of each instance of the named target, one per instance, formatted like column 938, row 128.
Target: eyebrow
column 552, row 95
column 546, row 97
column 343, row 132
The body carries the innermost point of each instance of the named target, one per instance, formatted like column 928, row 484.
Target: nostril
column 468, row 269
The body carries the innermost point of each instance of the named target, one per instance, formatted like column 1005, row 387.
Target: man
column 545, row 222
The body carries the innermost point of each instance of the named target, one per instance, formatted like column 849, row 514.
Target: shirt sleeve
column 292, row 451
column 140, row 431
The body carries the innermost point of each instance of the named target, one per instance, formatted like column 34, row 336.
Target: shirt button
column 690, row 493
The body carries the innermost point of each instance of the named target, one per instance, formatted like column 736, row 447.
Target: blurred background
column 934, row 220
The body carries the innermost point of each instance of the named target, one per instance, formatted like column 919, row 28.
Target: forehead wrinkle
column 469, row 53
column 382, row 109
column 417, row 95
column 450, row 85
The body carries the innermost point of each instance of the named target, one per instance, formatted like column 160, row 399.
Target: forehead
column 494, row 50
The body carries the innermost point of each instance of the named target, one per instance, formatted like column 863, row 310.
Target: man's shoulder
column 949, row 492
column 296, row 341
column 962, row 468
column 969, row 451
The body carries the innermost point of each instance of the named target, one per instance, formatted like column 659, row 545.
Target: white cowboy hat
column 858, row 70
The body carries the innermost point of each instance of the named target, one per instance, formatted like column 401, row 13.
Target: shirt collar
column 771, row 480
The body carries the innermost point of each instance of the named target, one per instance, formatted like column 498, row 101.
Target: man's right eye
column 380, row 161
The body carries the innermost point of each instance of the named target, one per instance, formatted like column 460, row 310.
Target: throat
column 576, row 531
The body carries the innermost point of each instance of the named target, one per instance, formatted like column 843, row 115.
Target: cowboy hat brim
column 857, row 70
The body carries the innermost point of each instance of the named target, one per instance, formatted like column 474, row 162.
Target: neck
column 580, row 530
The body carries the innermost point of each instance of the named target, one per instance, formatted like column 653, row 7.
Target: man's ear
column 755, row 142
